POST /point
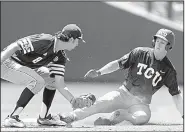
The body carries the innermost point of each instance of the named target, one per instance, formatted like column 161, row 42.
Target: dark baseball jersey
column 38, row 50
column 146, row 75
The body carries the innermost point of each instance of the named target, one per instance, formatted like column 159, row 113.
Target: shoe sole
column 14, row 126
column 44, row 124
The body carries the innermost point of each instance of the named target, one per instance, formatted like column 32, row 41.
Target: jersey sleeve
column 25, row 44
column 29, row 43
column 127, row 60
column 171, row 83
column 57, row 67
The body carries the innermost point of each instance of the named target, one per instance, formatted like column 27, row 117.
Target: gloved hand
column 83, row 101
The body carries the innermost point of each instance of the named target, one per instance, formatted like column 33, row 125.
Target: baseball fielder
column 38, row 61
column 148, row 70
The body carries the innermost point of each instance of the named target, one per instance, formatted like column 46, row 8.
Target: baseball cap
column 166, row 34
column 72, row 30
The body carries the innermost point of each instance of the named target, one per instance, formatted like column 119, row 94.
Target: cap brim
column 159, row 36
column 82, row 40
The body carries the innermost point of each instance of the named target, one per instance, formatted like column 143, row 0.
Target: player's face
column 160, row 45
column 88, row 102
column 72, row 44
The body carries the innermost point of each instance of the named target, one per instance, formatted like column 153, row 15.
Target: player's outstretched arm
column 9, row 51
column 108, row 68
column 76, row 102
column 62, row 88
column 178, row 99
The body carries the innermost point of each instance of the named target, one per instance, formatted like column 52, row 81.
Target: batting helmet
column 70, row 31
column 167, row 35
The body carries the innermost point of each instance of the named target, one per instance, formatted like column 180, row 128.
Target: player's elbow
column 9, row 51
column 114, row 65
column 12, row 48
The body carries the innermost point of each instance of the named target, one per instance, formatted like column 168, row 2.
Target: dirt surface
column 164, row 117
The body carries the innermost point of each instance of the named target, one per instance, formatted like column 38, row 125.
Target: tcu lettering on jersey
column 149, row 73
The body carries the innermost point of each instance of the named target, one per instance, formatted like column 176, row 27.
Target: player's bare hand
column 42, row 70
column 91, row 74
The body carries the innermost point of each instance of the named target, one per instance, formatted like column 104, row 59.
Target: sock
column 24, row 98
column 48, row 96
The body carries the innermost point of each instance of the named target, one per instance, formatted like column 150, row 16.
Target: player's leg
column 136, row 114
column 22, row 75
column 141, row 114
column 45, row 118
column 47, row 99
column 116, row 117
column 105, row 104
column 132, row 110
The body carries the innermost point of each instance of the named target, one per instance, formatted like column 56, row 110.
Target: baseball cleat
column 102, row 121
column 50, row 121
column 13, row 121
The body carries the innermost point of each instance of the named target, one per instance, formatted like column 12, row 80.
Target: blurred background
column 111, row 29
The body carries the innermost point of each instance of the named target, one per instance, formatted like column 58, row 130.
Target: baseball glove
column 83, row 101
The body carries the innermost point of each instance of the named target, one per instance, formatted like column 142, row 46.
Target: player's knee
column 140, row 118
column 50, row 85
column 36, row 85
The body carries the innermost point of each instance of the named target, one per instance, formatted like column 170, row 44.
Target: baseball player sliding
column 38, row 61
column 148, row 70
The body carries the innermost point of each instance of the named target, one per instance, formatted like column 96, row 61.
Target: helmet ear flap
column 168, row 47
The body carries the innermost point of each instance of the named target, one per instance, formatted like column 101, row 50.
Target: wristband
column 71, row 100
column 99, row 73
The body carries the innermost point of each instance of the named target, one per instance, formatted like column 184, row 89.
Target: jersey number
column 37, row 60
